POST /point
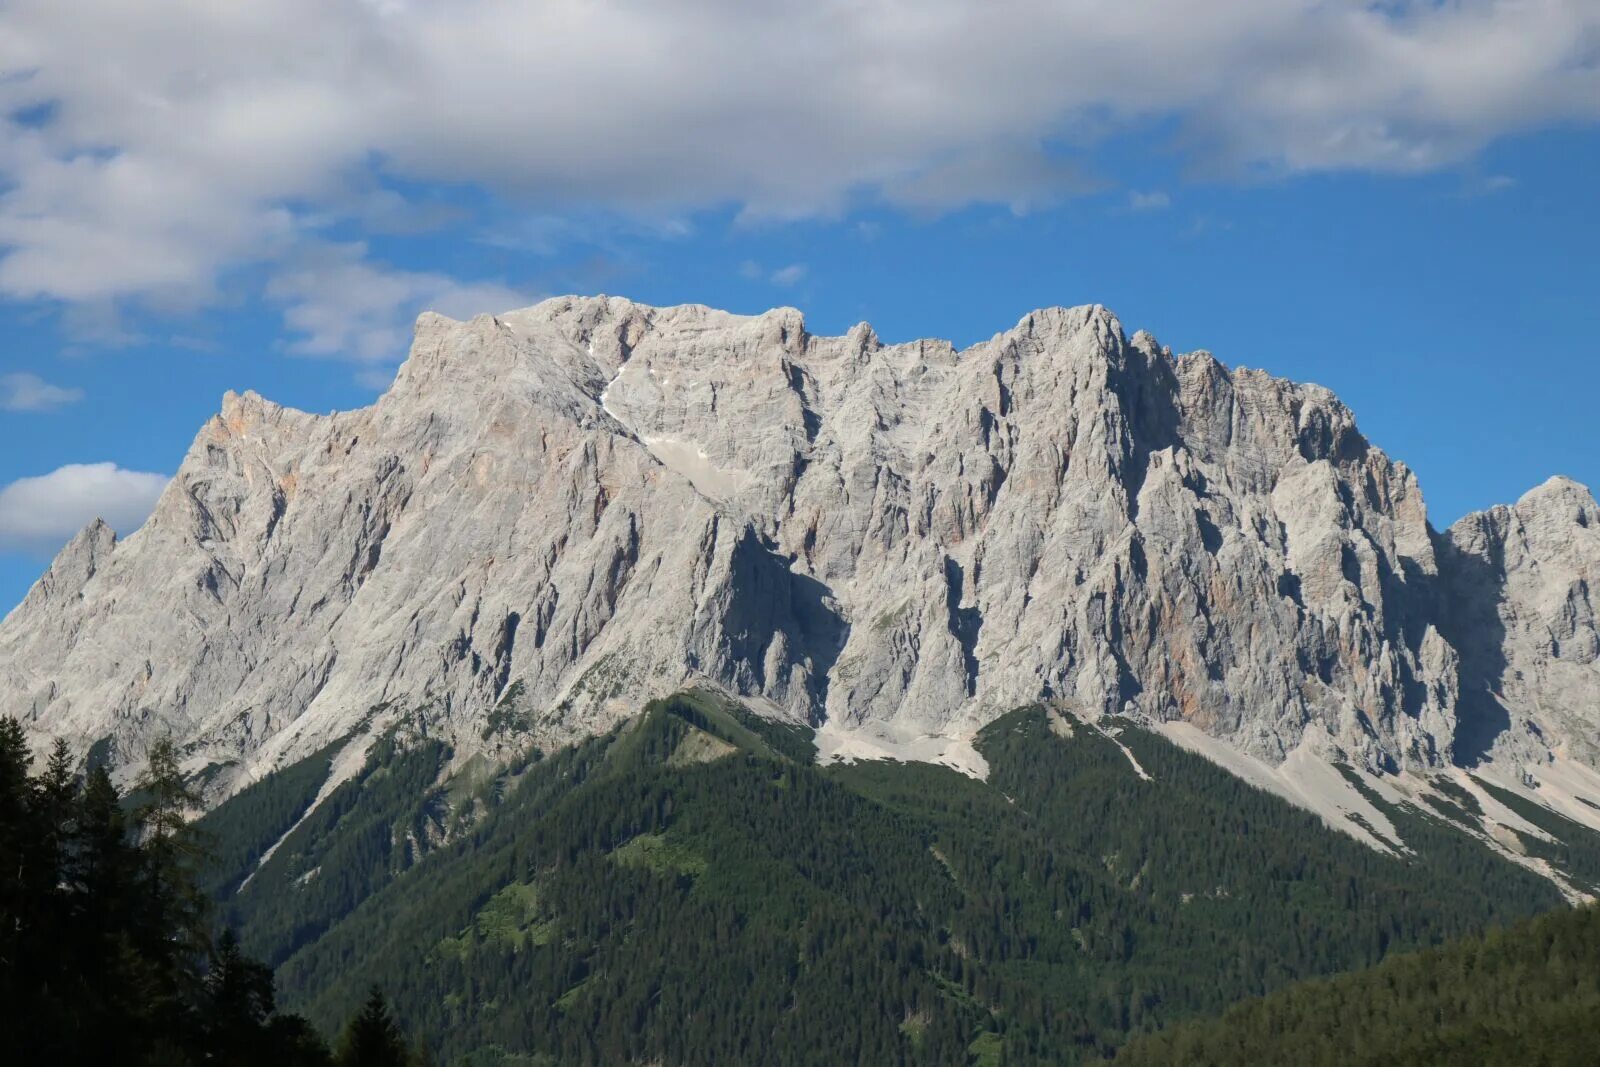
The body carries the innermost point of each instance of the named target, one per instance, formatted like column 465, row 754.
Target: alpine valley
column 665, row 686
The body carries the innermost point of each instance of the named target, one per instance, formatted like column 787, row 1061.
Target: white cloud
column 790, row 275
column 179, row 139
column 29, row 392
column 38, row 515
column 784, row 277
column 343, row 305
column 1155, row 200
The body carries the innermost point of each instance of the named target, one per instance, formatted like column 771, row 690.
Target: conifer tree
column 372, row 1039
column 104, row 943
column 239, row 999
column 170, row 921
column 20, row 873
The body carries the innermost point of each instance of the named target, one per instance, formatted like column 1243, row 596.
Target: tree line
column 108, row 953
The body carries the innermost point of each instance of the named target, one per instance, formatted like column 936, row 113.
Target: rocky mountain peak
column 1560, row 496
column 75, row 564
column 558, row 511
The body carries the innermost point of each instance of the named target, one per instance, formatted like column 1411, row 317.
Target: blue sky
column 1397, row 201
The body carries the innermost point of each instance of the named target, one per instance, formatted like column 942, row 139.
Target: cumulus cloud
column 340, row 303
column 29, row 392
column 152, row 147
column 39, row 514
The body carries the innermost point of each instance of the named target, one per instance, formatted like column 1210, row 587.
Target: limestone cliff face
column 1524, row 581
column 557, row 512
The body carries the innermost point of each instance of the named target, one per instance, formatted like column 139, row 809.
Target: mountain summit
column 560, row 511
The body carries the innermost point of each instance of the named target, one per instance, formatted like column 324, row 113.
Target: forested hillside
column 107, row 952
column 691, row 888
column 1529, row 995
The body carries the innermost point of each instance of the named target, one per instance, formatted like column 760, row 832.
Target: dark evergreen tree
column 372, row 1039
column 172, row 851
column 238, row 1001
column 104, row 947
column 18, row 854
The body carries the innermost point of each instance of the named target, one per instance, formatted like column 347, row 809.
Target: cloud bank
column 151, row 148
column 37, row 515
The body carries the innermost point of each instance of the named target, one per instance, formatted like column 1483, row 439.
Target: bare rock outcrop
column 557, row 512
column 1525, row 580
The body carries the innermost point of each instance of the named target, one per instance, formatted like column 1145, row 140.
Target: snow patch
column 605, row 399
column 837, row 743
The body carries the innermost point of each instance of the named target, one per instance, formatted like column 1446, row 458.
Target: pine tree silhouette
column 372, row 1039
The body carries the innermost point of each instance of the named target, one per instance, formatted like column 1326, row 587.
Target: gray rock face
column 555, row 513
column 1522, row 596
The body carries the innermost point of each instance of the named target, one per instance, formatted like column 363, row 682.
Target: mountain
column 558, row 512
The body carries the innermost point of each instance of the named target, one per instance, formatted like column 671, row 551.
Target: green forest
column 1529, row 995
column 693, row 888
